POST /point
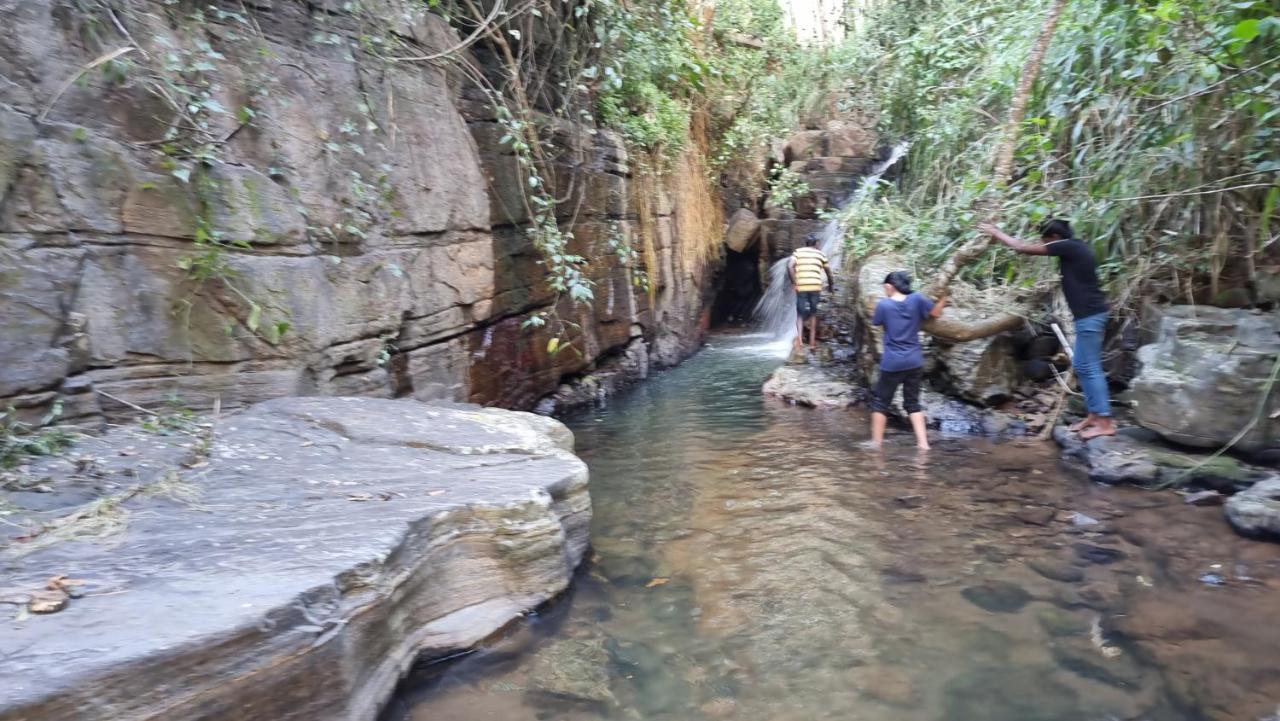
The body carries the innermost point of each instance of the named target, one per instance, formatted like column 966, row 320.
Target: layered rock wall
column 370, row 216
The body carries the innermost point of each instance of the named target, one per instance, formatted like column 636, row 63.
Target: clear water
column 751, row 562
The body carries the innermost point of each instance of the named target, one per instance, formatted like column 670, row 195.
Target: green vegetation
column 19, row 440
column 1153, row 125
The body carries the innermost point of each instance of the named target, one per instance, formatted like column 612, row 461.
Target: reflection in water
column 751, row 562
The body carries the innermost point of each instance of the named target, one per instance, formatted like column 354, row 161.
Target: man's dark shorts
column 887, row 385
column 807, row 303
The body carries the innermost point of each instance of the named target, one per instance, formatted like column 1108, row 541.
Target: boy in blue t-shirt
column 902, row 362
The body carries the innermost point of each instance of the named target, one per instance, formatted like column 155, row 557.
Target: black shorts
column 887, row 385
column 807, row 302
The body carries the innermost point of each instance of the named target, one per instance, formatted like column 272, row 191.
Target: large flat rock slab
column 290, row 566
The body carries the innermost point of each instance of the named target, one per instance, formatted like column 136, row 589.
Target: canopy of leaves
column 1153, row 126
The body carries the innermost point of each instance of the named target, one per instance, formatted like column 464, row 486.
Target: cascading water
column 776, row 311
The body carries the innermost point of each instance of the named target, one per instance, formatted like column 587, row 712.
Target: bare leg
column 922, row 433
column 813, row 332
column 1103, row 426
column 799, row 332
column 878, row 422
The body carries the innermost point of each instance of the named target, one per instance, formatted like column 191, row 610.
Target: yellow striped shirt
column 810, row 265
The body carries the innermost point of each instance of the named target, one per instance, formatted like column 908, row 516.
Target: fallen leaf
column 656, row 582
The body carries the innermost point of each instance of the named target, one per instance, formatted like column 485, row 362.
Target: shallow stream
column 751, row 562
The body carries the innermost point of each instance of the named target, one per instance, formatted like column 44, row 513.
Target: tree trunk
column 971, row 250
column 960, row 331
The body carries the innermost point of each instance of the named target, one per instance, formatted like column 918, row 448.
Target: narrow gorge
column 411, row 360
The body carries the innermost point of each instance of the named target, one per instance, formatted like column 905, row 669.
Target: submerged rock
column 997, row 596
column 571, row 671
column 1060, row 622
column 1201, row 380
column 1056, row 570
column 1008, row 693
column 298, row 569
column 1098, row 554
column 1081, row 657
column 1256, row 512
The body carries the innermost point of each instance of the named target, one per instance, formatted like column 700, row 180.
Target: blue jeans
column 1090, row 331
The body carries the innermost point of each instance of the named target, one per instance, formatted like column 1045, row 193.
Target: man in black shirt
column 1088, row 304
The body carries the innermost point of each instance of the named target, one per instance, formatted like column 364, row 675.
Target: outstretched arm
column 1019, row 246
column 937, row 307
column 831, row 279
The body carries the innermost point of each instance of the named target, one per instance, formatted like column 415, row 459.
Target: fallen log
column 952, row 327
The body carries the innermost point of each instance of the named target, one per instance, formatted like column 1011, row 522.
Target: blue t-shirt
column 901, row 320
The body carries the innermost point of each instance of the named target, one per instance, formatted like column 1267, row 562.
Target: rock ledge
column 319, row 549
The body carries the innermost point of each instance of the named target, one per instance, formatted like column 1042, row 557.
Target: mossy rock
column 1222, row 473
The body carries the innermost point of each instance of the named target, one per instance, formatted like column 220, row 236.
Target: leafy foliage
column 1153, row 127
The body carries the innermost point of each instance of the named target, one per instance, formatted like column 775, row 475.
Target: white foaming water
column 776, row 311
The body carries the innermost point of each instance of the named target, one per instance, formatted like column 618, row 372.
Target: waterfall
column 776, row 311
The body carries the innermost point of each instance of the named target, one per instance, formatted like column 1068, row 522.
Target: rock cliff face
column 292, row 566
column 371, row 207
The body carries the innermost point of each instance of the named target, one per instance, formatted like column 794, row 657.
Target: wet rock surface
column 1256, row 512
column 817, row 385
column 293, row 568
column 813, row 386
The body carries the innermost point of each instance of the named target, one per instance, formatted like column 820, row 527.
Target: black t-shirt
column 1079, row 277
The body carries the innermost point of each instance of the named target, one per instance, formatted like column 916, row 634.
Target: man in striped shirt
column 809, row 272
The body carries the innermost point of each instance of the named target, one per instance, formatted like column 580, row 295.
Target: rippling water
column 751, row 562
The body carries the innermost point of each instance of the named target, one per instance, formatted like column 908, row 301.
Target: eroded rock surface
column 1201, row 379
column 427, row 296
column 296, row 570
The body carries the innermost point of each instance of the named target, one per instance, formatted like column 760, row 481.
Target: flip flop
column 1085, row 435
column 1080, row 425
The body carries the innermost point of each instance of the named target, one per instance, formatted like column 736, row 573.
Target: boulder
column 802, row 146
column 293, row 569
column 1201, row 380
column 1256, row 512
column 985, row 371
column 812, row 386
column 742, row 234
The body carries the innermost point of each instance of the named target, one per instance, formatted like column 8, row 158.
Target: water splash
column 776, row 310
